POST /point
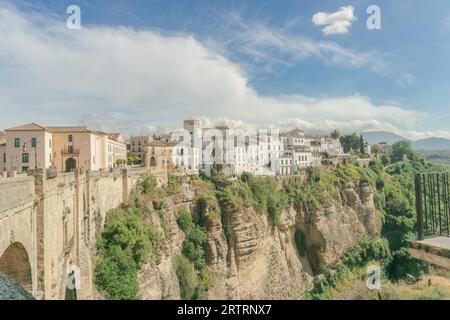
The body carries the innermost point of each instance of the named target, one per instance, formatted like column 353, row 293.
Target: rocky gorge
column 248, row 256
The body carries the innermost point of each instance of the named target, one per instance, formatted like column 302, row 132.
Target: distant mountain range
column 422, row 144
column 382, row 136
column 432, row 144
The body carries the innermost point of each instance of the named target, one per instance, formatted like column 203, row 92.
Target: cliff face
column 249, row 258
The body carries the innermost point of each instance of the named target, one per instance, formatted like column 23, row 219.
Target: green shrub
column 187, row 278
column 368, row 249
column 184, row 220
column 193, row 246
column 125, row 245
column 267, row 197
column 116, row 275
column 124, row 230
column 174, row 183
column 402, row 264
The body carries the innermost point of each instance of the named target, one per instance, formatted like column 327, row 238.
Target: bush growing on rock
column 193, row 246
column 184, row 220
column 187, row 278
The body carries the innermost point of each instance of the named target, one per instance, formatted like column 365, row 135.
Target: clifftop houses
column 190, row 150
column 195, row 149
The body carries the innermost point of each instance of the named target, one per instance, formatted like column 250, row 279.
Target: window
column 24, row 169
column 17, row 142
column 25, row 157
column 4, row 158
column 33, row 142
column 70, row 138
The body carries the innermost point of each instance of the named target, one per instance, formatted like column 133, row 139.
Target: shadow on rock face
column 12, row 290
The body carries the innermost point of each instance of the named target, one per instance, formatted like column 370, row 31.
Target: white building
column 259, row 152
column 285, row 164
column 117, row 149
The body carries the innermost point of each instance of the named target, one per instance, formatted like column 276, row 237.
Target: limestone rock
column 249, row 258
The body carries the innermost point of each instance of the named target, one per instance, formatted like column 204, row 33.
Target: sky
column 140, row 66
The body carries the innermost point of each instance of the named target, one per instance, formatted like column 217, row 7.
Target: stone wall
column 18, row 222
column 57, row 222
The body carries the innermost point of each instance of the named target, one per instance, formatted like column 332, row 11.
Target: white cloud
column 338, row 22
column 120, row 79
column 275, row 47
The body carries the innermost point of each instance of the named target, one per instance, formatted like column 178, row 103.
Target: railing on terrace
column 433, row 204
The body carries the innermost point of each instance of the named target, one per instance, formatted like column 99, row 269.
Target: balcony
column 70, row 151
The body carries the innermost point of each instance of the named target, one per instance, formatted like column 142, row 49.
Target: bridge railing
column 433, row 204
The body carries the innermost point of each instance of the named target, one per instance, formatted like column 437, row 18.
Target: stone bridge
column 48, row 227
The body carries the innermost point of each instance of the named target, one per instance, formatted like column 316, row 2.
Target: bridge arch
column 15, row 263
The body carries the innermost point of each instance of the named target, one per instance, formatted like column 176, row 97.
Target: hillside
column 258, row 237
column 250, row 238
column 375, row 137
column 432, row 144
column 428, row 144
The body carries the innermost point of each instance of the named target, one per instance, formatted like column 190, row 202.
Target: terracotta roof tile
column 27, row 127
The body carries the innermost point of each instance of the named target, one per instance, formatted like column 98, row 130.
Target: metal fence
column 433, row 204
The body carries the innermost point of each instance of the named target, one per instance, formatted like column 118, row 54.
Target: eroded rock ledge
column 249, row 258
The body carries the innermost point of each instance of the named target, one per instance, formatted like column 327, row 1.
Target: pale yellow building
column 137, row 144
column 79, row 147
column 157, row 155
column 65, row 148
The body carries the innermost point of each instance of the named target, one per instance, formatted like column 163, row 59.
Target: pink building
column 34, row 147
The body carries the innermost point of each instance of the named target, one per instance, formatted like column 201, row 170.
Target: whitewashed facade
column 235, row 151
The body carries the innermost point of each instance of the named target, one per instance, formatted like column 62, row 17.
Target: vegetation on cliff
column 126, row 243
column 129, row 240
column 369, row 249
column 191, row 267
column 395, row 199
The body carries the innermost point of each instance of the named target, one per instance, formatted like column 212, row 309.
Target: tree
column 376, row 149
column 401, row 148
column 351, row 143
column 133, row 159
column 335, row 134
column 361, row 144
column 121, row 161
